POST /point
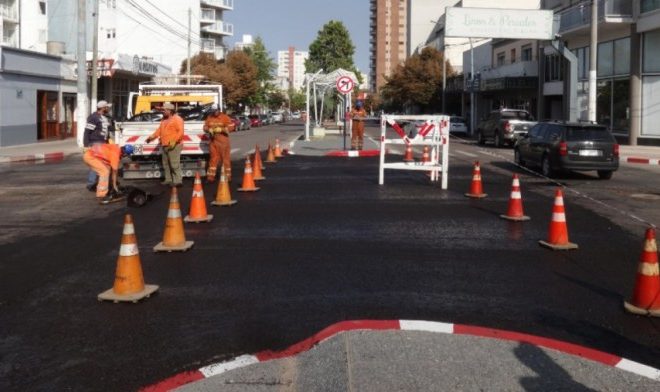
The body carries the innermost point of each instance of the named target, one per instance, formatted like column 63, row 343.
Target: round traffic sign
column 345, row 84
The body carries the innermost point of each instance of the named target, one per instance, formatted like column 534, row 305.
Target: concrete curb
column 405, row 325
column 33, row 157
column 643, row 161
column 353, row 153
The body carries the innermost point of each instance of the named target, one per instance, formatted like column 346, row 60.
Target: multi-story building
column 291, row 66
column 24, row 24
column 387, row 38
column 246, row 42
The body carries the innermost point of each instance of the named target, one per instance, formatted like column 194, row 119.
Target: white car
column 457, row 125
column 277, row 117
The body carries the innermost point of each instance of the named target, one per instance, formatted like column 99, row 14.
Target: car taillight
column 563, row 149
column 507, row 126
column 616, row 149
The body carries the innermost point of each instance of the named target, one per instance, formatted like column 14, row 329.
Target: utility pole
column 95, row 55
column 189, row 43
column 81, row 101
column 593, row 61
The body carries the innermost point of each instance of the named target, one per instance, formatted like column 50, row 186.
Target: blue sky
column 284, row 23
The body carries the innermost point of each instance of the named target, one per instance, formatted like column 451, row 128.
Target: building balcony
column 8, row 13
column 578, row 17
column 207, row 45
column 224, row 4
column 517, row 69
column 219, row 28
column 207, row 16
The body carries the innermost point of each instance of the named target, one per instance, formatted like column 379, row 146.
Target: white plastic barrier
column 432, row 131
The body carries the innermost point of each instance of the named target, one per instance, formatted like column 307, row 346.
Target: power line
column 151, row 29
column 171, row 18
column 159, row 23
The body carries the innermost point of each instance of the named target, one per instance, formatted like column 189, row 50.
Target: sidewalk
column 39, row 151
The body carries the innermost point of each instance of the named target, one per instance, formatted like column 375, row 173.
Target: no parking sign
column 345, row 84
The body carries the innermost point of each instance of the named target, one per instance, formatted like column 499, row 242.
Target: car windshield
column 587, row 133
column 518, row 115
column 456, row 120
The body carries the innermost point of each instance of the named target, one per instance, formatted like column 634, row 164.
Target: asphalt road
column 320, row 243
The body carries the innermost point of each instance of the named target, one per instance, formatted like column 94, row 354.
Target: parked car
column 150, row 116
column 237, row 123
column 504, row 126
column 295, row 115
column 255, row 120
column 457, row 125
column 562, row 146
column 277, row 117
column 245, row 122
column 265, row 119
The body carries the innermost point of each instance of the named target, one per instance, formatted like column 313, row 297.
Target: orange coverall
column 218, row 128
column 103, row 159
column 357, row 136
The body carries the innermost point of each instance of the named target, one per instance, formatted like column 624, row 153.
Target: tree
column 416, row 83
column 265, row 68
column 276, row 99
column 332, row 49
column 297, row 100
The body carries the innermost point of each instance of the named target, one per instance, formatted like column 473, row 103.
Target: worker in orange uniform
column 358, row 115
column 104, row 160
column 170, row 133
column 217, row 125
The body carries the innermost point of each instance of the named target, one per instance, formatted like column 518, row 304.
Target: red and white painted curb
column 353, row 153
column 33, row 157
column 404, row 325
column 643, row 161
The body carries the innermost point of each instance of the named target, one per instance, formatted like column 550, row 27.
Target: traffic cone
column 248, row 178
column 257, row 157
column 174, row 239
column 278, row 150
column 198, row 211
column 257, row 175
column 646, row 295
column 129, row 283
column 515, row 212
column 476, row 188
column 270, row 158
column 223, row 195
column 408, row 157
column 425, row 155
column 558, row 231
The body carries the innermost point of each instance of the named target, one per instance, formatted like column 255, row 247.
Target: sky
column 284, row 23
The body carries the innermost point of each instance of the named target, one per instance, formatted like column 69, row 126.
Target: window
column 42, row 7
column 111, row 33
column 513, row 55
column 582, row 55
column 553, row 68
column 552, row 132
column 652, row 51
column 526, row 53
column 622, row 59
column 537, row 130
column 649, row 5
column 500, row 59
column 605, row 58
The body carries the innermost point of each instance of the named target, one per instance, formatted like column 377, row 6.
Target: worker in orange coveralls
column 217, row 125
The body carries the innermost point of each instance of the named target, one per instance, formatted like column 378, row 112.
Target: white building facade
column 291, row 65
column 24, row 24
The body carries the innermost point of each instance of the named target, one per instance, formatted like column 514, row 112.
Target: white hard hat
column 214, row 107
column 103, row 104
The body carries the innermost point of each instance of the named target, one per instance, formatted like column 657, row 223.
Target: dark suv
column 559, row 146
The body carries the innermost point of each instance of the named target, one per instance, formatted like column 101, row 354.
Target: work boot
column 166, row 183
column 91, row 188
column 111, row 198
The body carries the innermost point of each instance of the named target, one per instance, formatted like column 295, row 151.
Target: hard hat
column 103, row 104
column 168, row 106
column 127, row 149
column 214, row 107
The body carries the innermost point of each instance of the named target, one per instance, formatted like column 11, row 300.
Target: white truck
column 191, row 102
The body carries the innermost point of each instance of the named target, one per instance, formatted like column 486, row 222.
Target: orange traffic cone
column 408, row 157
column 558, row 231
column 270, row 158
column 476, row 188
column 198, row 211
column 257, row 157
column 257, row 175
column 129, row 283
column 515, row 212
column 425, row 155
column 223, row 195
column 646, row 295
column 278, row 150
column 174, row 239
column 248, row 179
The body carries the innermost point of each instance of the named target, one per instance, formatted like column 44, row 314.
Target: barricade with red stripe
column 432, row 131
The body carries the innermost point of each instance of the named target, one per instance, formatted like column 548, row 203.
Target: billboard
column 499, row 23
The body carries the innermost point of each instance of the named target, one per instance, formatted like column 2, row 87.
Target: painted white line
column 639, row 369
column 235, row 150
column 469, row 154
column 428, row 326
column 219, row 368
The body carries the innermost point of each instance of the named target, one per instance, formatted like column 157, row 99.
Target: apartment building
column 291, row 67
column 388, row 39
column 24, row 24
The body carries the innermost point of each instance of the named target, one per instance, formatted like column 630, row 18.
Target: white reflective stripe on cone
column 174, row 213
column 174, row 199
column 559, row 201
column 516, row 195
column 198, row 194
column 558, row 217
column 516, row 182
column 649, row 269
column 128, row 250
column 650, row 246
column 129, row 229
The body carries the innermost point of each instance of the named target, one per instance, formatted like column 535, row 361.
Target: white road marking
column 467, row 153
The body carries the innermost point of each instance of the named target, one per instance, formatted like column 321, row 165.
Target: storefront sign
column 142, row 66
column 499, row 23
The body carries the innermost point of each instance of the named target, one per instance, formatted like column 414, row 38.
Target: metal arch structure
column 318, row 85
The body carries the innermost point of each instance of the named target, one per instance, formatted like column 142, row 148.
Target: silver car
column 457, row 125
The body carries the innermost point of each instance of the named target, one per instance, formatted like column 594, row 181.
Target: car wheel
column 517, row 158
column 546, row 168
column 480, row 138
column 498, row 140
column 605, row 174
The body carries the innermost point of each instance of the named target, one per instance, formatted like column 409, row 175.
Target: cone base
column 476, row 196
column 566, row 246
column 259, row 178
column 224, row 203
column 521, row 218
column 181, row 248
column 110, row 295
column 248, row 189
column 641, row 311
column 206, row 218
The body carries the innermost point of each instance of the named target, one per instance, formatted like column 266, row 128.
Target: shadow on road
column 550, row 376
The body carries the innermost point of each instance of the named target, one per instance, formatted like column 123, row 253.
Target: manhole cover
column 645, row 196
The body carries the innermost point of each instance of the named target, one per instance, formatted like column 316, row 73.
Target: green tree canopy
column 332, row 49
column 265, row 68
column 297, row 100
